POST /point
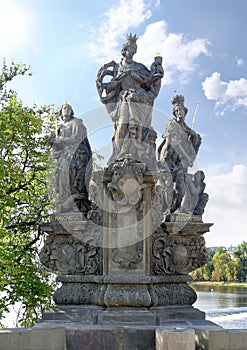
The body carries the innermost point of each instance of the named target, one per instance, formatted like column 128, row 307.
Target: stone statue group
column 128, row 235
column 128, row 97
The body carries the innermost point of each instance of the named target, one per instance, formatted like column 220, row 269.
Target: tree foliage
column 23, row 200
column 221, row 259
column 240, row 255
column 223, row 266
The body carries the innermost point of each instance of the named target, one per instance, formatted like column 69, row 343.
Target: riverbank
column 222, row 284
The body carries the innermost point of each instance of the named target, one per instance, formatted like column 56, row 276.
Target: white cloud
column 228, row 95
column 214, row 88
column 179, row 51
column 227, row 206
column 14, row 25
column 237, row 88
column 117, row 23
column 239, row 61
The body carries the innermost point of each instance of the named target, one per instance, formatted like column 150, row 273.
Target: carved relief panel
column 177, row 254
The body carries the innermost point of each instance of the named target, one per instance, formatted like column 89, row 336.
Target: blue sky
column 205, row 59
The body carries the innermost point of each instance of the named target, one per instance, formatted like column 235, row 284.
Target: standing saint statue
column 129, row 98
column 73, row 157
column 177, row 153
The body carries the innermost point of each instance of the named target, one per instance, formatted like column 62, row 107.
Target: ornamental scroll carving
column 173, row 294
column 127, row 182
column 177, row 255
column 126, row 190
column 70, row 255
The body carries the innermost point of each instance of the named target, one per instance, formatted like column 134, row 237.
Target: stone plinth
column 89, row 315
column 121, row 264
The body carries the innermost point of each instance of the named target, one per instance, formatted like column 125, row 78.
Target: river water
column 225, row 306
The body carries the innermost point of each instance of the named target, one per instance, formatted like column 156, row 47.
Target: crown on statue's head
column 178, row 100
column 131, row 38
column 66, row 102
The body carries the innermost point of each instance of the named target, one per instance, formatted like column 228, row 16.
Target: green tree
column 221, row 260
column 240, row 256
column 230, row 271
column 205, row 272
column 23, row 200
column 238, row 274
column 208, row 267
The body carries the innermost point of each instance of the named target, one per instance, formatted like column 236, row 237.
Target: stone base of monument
column 175, row 335
column 124, row 268
column 92, row 315
column 90, row 328
column 152, row 316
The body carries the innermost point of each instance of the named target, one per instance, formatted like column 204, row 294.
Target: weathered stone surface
column 136, row 316
column 177, row 254
column 67, row 332
column 175, row 339
column 132, row 290
column 73, row 245
column 127, row 220
column 73, row 158
column 180, row 191
column 237, row 339
column 111, row 338
column 127, row 295
column 133, row 242
column 185, row 226
column 127, row 316
column 177, row 313
column 68, row 314
column 47, row 338
column 128, row 98
column 207, row 338
column 80, row 294
column 173, row 294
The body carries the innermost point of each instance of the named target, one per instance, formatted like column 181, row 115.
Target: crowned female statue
column 129, row 98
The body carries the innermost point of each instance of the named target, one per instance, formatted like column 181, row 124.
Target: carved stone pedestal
column 134, row 291
column 118, row 265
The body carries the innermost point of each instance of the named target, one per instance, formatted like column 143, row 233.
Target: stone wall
column 72, row 337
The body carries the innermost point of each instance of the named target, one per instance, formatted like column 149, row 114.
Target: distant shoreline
column 222, row 284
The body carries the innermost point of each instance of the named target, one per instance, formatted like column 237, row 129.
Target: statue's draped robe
column 178, row 152
column 73, row 155
column 131, row 112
